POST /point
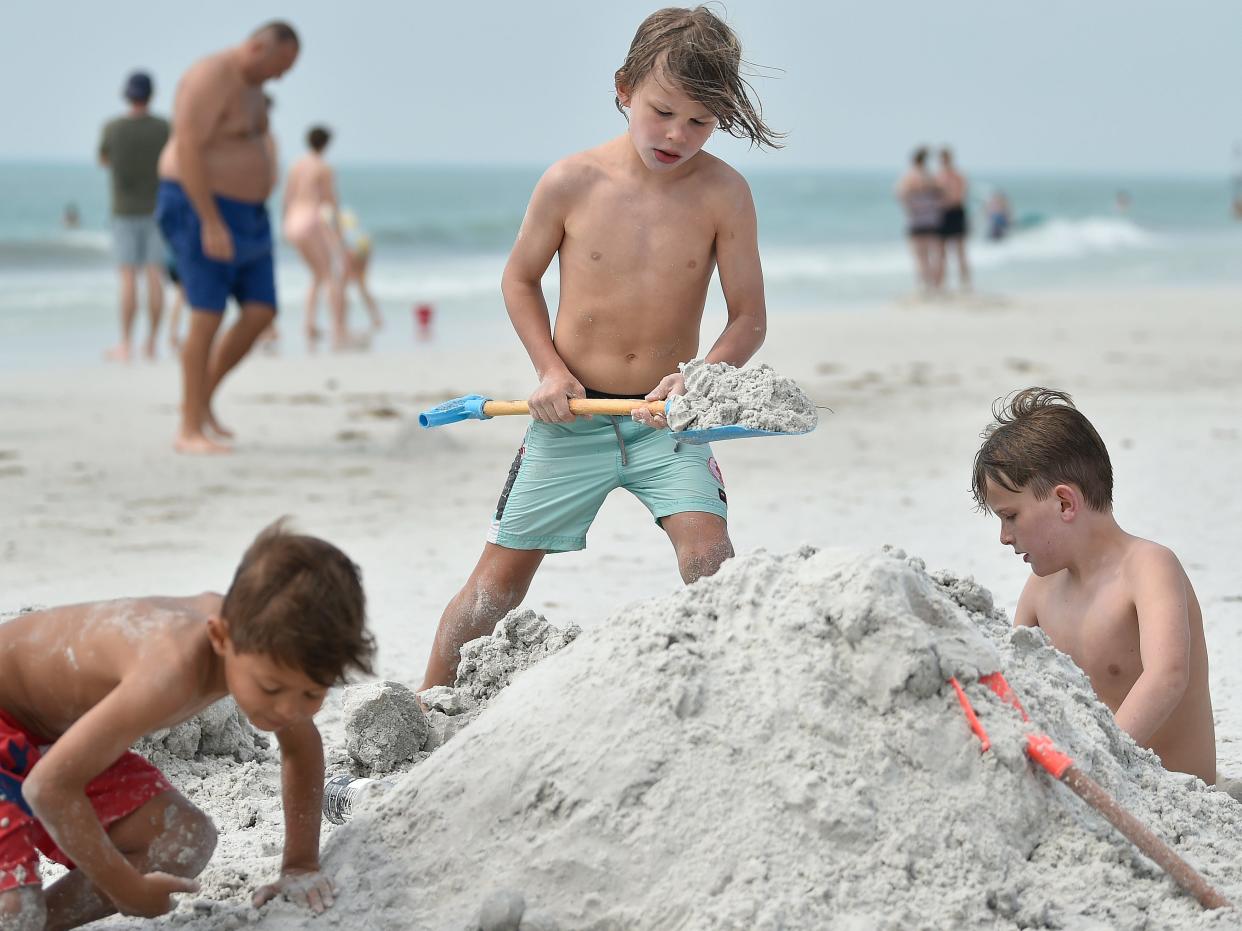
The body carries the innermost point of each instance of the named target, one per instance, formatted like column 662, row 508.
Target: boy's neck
column 633, row 164
column 1097, row 545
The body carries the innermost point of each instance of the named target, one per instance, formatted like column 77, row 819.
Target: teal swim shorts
column 564, row 471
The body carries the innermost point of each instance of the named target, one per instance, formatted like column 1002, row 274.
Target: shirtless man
column 953, row 225
column 639, row 224
column 216, row 172
column 1120, row 606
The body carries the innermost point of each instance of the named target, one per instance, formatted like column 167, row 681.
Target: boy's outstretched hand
column 153, row 895
column 308, row 888
column 669, row 385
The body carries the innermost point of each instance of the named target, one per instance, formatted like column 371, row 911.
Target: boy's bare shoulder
column 720, row 177
column 1145, row 558
column 577, row 172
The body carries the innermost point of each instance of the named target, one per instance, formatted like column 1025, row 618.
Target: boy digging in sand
column 1120, row 606
column 638, row 224
column 79, row 684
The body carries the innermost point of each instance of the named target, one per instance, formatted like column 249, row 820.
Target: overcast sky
column 1113, row 86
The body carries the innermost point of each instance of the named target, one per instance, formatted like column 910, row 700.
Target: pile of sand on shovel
column 776, row 748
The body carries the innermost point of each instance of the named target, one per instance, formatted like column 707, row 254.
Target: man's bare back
column 1096, row 621
column 228, row 124
column 635, row 263
column 56, row 665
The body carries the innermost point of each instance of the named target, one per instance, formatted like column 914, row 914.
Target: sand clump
column 776, row 748
column 219, row 730
column 719, row 395
column 386, row 729
column 384, row 725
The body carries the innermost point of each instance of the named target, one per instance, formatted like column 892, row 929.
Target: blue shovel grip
column 469, row 407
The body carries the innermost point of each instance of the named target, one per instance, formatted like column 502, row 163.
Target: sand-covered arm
column 56, row 792
column 1164, row 645
column 540, row 236
column 301, row 783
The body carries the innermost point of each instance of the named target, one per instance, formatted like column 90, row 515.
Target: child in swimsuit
column 79, row 684
column 638, row 223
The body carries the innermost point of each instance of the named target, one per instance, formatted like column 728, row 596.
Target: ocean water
column 441, row 236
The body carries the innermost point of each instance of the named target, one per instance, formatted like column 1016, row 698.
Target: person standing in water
column 216, row 174
column 921, row 198
column 953, row 224
column 311, row 224
column 129, row 148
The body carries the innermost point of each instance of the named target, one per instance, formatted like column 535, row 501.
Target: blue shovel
column 477, row 407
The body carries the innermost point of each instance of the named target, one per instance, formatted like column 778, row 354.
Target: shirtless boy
column 1120, row 606
column 638, row 223
column 79, row 684
column 216, row 172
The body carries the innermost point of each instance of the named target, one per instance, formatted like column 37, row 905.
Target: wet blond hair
column 695, row 49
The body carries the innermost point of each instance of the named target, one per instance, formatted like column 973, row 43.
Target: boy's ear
column 623, row 94
column 1069, row 501
column 218, row 634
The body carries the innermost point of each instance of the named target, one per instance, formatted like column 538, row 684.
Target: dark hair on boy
column 704, row 57
column 1040, row 440
column 298, row 600
column 318, row 138
column 919, row 157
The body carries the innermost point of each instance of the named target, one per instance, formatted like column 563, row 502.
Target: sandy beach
column 96, row 505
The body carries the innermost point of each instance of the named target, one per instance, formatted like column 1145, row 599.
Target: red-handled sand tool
column 1041, row 749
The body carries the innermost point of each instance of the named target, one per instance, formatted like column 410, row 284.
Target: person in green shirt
column 130, row 148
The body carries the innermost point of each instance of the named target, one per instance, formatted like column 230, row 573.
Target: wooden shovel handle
column 1164, row 856
column 578, row 406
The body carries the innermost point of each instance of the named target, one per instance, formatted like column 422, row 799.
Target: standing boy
column 129, row 148
column 79, row 684
column 216, row 174
column 638, row 224
column 1120, row 606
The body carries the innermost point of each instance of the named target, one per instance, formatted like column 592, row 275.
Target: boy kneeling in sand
column 79, row 684
column 1120, row 606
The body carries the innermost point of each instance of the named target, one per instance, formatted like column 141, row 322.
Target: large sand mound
column 775, row 748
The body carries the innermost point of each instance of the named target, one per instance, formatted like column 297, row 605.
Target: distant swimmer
column 129, row 148
column 922, row 199
column 999, row 214
column 216, row 173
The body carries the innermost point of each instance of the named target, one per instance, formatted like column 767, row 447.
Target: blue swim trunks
column 564, row 471
column 250, row 277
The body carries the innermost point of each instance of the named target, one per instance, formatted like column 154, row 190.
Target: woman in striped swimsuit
column 923, row 201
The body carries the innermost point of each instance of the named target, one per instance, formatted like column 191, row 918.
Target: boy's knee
column 23, row 909
column 187, row 842
column 700, row 558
